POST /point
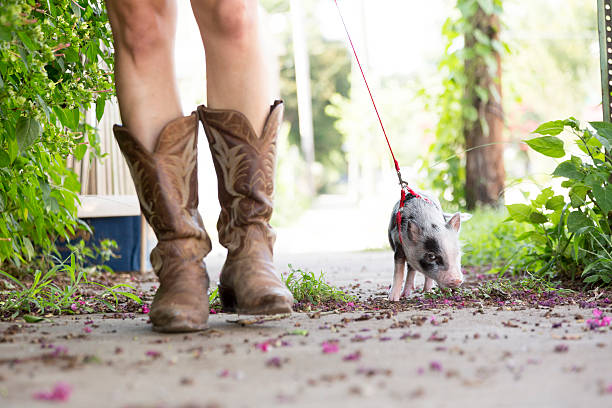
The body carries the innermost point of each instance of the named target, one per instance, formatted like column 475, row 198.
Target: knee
column 232, row 19
column 142, row 28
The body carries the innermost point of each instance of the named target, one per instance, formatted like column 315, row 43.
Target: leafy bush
column 51, row 55
column 571, row 234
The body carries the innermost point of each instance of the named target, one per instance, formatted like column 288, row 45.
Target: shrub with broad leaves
column 571, row 233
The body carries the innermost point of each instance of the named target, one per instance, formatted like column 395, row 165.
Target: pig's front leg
column 428, row 284
column 398, row 277
column 409, row 285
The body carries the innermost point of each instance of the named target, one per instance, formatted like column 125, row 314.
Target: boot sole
column 180, row 328
column 230, row 304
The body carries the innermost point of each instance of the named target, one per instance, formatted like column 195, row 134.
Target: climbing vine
column 55, row 63
column 445, row 162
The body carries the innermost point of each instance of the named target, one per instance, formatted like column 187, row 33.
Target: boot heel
column 228, row 299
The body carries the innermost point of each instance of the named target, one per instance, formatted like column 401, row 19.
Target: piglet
column 429, row 244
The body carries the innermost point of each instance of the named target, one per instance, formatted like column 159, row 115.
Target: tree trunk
column 485, row 173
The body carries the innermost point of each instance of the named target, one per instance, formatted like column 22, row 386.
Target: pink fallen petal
column 73, row 307
column 609, row 389
column 605, row 321
column 597, row 313
column 153, row 353
column 61, row 392
column 435, row 366
column 145, row 309
column 265, row 346
column 213, row 311
column 329, row 347
column 87, row 329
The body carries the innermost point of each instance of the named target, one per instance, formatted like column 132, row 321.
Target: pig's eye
column 430, row 257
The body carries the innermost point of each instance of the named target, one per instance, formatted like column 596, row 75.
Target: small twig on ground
column 258, row 320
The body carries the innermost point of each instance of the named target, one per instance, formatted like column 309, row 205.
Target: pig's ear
column 454, row 222
column 464, row 217
column 413, row 231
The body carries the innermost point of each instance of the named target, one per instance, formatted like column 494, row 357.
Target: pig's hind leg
column 398, row 276
column 409, row 285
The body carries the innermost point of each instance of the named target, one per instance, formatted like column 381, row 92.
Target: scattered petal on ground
column 435, row 366
column 329, row 347
column 153, row 353
column 61, row 392
column 265, row 346
column 561, row 348
column 353, row 356
column 275, row 362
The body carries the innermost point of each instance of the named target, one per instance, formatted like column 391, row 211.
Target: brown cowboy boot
column 245, row 165
column 167, row 187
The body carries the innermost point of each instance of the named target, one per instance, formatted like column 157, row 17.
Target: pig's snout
column 454, row 282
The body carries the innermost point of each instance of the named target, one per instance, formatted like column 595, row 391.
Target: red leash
column 403, row 184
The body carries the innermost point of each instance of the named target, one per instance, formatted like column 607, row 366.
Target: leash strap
column 403, row 184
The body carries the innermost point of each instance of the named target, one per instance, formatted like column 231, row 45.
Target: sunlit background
column 550, row 72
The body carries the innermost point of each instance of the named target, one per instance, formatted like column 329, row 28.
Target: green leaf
column 13, row 149
column 547, row 145
column 27, row 131
column 73, row 116
column 537, row 218
column 604, row 133
column 100, row 105
column 578, row 195
column 26, row 40
column 603, row 197
column 5, row 33
column 568, row 169
column 29, row 248
column 591, row 279
column 34, row 319
column 299, row 332
column 577, row 220
column 5, row 160
column 543, row 197
column 550, row 128
column 519, row 212
column 555, row 203
column 80, row 151
column 130, row 296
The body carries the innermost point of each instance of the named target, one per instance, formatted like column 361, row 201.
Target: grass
column 305, row 286
column 499, row 288
column 60, row 288
column 488, row 241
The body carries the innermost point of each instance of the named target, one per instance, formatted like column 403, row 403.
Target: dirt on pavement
column 440, row 356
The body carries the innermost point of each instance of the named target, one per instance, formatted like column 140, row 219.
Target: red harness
column 403, row 184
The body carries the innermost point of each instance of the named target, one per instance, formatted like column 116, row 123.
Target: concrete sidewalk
column 441, row 358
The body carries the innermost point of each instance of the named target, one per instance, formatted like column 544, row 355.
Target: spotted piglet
column 429, row 244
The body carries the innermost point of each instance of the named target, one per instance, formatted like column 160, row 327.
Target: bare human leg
column 143, row 34
column 238, row 75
